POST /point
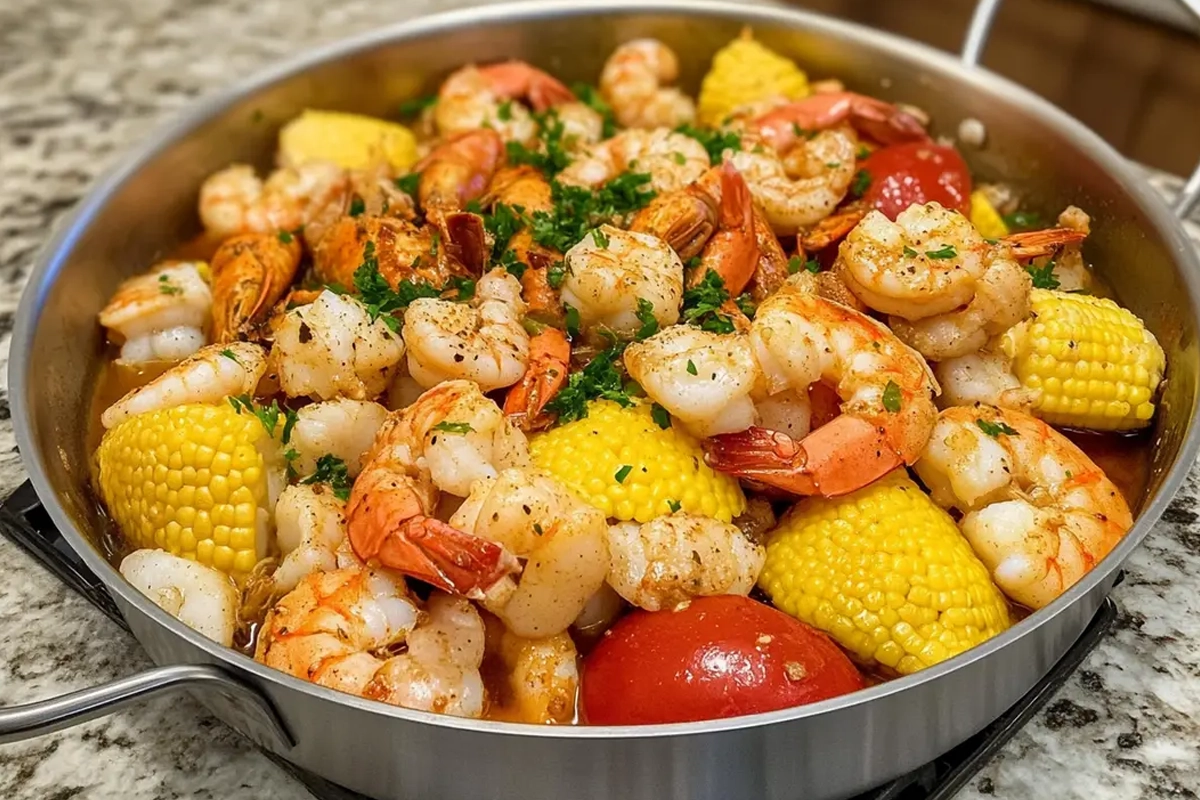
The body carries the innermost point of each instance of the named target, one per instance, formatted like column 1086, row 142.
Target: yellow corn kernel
column 1090, row 363
column 150, row 479
column 744, row 72
column 886, row 573
column 348, row 140
column 986, row 218
column 621, row 461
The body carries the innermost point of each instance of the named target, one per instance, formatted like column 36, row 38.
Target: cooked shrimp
column 684, row 219
column 582, row 125
column 331, row 348
column 783, row 126
column 526, row 188
column 235, row 200
column 661, row 563
column 826, row 166
column 541, row 676
column 704, row 379
column 985, row 377
column 559, row 537
column 1036, row 510
column 310, row 529
column 546, row 374
column 203, row 598
column 610, row 270
column 209, row 376
column 479, row 97
column 250, row 273
column 451, row 437
column 672, row 160
column 886, row 390
column 634, row 80
column 398, row 249
column 161, row 315
column 341, row 427
column 481, row 341
column 1069, row 268
column 459, row 169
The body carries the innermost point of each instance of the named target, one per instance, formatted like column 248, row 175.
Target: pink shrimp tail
column 516, row 79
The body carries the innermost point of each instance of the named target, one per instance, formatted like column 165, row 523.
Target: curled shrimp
column 459, row 169
column 477, row 97
column 451, row 437
column 672, row 160
column 332, row 348
column 161, row 315
column 250, row 273
column 310, row 529
column 208, row 376
column 783, row 126
column 611, row 272
column 559, row 538
column 825, row 166
column 526, row 188
column 398, row 249
column 985, row 376
column 661, row 563
column 235, row 200
column 1036, row 510
column 203, row 598
column 341, row 427
column 546, row 374
column 481, row 341
column 634, row 82
column 886, row 389
column 541, row 676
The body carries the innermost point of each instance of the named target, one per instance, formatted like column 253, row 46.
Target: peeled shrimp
column 341, row 427
column 542, row 675
column 672, row 160
column 559, row 537
column 449, row 438
column 310, row 528
column 203, row 598
column 209, row 376
column 161, row 315
column 985, row 377
column 825, row 166
column 634, row 80
column 886, row 389
column 331, row 348
column 610, row 270
column 251, row 272
column 661, row 563
column 1036, row 510
column 479, row 97
column 235, row 200
column 481, row 341
column 784, row 125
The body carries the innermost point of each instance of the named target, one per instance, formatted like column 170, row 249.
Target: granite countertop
column 79, row 82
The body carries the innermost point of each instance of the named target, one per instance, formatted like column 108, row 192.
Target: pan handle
column 976, row 41
column 245, row 708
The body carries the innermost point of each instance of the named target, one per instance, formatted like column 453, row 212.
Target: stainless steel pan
column 828, row 750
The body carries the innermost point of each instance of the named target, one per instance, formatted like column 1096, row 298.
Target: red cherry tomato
column 717, row 657
column 917, row 172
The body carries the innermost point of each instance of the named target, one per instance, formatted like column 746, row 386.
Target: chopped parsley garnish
column 589, row 96
column 464, row 288
column 1043, row 277
column 691, row 367
column 1022, row 220
column 860, row 184
column 944, row 252
column 571, row 317
column 166, row 287
column 227, row 353
column 746, row 304
column 503, row 223
column 910, row 253
column 411, row 108
column 891, row 397
column 678, row 158
column 556, row 273
column 661, row 417
column 290, row 458
column 715, row 142
column 268, row 416
column 577, row 210
column 378, row 296
column 832, row 164
column 409, row 183
column 863, row 153
column 795, row 264
column 599, row 379
column 552, row 156
column 994, row 429
column 701, row 304
column 645, row 315
column 600, row 238
column 357, row 206
column 674, row 505
column 285, row 237
column 290, row 418
column 331, row 470
column 454, row 427
column 692, row 263
column 504, row 111
column 623, row 473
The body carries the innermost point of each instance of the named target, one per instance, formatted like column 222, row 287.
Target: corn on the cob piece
column 985, row 217
column 189, row 480
column 744, row 72
column 1092, row 363
column 348, row 140
column 886, row 573
column 621, row 461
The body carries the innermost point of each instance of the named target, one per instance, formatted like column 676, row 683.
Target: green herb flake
column 556, row 273
column 674, row 505
column 795, row 264
column 412, row 108
column 357, row 206
column 463, row 288
column 942, row 253
column 678, row 158
column 813, row 266
column 715, row 142
column 166, row 287
column 661, row 417
column 571, row 316
column 1022, row 220
column 504, row 111
column 623, row 473
column 863, row 153
column 891, row 397
column 268, row 416
column 1043, row 277
column 409, row 183
column 701, row 304
column 994, row 429
column 331, row 470
column 577, row 210
column 378, row 296
column 454, row 427
column 227, row 353
column 691, row 367
column 590, row 96
column 600, row 378
column 551, row 156
column 600, row 238
column 746, row 304
column 290, row 418
column 285, row 237
column 860, row 184
column 910, row 253
column 645, row 315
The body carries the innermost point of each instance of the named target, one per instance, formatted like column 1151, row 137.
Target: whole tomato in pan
column 714, row 657
column 917, row 172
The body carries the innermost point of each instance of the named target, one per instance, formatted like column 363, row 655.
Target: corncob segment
column 886, row 573
column 1092, row 363
column 189, row 480
column 622, row 462
column 744, row 72
column 348, row 140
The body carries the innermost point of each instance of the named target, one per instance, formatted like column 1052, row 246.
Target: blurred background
column 1129, row 69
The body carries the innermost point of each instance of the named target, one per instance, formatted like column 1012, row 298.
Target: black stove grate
column 25, row 522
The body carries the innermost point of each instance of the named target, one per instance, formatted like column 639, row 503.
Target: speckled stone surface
column 80, row 81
